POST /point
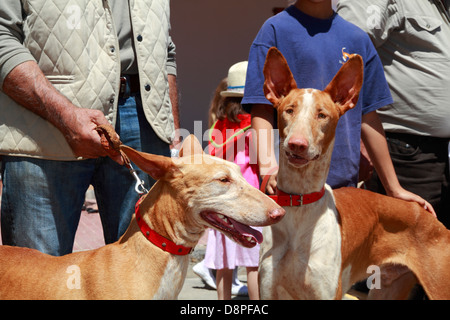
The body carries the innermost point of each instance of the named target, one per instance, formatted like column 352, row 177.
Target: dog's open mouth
column 241, row 233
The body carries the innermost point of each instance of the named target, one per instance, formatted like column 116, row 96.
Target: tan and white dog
column 151, row 259
column 328, row 238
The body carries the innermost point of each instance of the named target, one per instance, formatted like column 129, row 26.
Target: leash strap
column 111, row 143
column 110, row 140
column 140, row 185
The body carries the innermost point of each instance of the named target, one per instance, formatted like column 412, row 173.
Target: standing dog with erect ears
column 328, row 238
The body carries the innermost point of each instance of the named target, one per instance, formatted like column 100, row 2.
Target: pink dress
column 221, row 252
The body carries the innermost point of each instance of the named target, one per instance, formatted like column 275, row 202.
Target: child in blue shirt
column 316, row 42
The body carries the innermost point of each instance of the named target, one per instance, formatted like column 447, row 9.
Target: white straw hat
column 236, row 80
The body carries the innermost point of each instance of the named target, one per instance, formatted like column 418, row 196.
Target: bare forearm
column 27, row 85
column 374, row 139
column 173, row 93
column 262, row 123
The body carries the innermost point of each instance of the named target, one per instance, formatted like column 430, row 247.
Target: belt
column 129, row 85
column 427, row 144
column 416, row 140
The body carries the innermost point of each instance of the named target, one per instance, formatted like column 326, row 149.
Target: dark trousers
column 422, row 167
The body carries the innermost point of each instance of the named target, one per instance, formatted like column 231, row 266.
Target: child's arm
column 374, row 139
column 262, row 123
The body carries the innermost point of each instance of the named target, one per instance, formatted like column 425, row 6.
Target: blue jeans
column 42, row 199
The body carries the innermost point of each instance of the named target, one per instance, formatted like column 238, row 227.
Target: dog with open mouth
column 150, row 260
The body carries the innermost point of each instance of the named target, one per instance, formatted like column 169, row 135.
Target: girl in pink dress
column 230, row 139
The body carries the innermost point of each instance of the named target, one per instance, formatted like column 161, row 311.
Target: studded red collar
column 158, row 240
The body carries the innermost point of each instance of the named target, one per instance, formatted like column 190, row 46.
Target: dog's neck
column 164, row 213
column 306, row 179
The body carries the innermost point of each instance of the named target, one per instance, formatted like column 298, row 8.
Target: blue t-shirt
column 315, row 51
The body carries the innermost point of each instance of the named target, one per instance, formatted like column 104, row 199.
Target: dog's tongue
column 247, row 231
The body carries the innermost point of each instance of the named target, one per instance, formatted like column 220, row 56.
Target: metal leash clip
column 139, row 187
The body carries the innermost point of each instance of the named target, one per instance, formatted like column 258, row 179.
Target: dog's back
column 378, row 229
column 22, row 269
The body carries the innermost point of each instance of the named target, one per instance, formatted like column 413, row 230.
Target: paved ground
column 194, row 288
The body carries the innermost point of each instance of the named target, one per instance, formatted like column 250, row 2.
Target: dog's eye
column 225, row 180
column 289, row 111
column 321, row 115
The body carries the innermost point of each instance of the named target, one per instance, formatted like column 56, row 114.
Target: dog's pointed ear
column 190, row 146
column 279, row 80
column 345, row 87
column 155, row 165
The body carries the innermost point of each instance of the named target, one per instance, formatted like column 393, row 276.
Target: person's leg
column 224, row 278
column 252, row 283
column 113, row 184
column 42, row 201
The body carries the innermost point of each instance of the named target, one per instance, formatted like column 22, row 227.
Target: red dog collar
column 158, row 240
column 297, row 200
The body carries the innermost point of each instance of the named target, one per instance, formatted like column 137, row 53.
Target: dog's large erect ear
column 279, row 80
column 155, row 165
column 190, row 146
column 345, row 87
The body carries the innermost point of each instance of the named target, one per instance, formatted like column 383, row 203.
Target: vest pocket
column 60, row 79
